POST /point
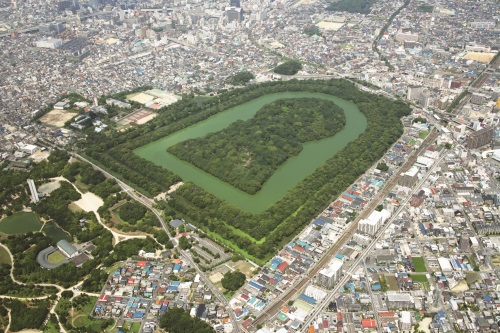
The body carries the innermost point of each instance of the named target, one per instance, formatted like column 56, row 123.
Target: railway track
column 271, row 311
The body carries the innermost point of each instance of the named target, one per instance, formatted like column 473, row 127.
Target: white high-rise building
column 34, row 192
column 376, row 219
column 330, row 274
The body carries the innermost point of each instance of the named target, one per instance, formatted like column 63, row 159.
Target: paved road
column 149, row 204
column 361, row 258
column 276, row 305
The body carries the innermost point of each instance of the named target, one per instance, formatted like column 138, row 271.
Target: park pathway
column 117, row 236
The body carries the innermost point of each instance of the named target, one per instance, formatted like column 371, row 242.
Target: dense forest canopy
column 351, row 6
column 241, row 78
column 247, row 153
column 290, row 67
column 233, row 280
column 177, row 320
column 285, row 218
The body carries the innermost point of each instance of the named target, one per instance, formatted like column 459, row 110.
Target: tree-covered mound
column 248, row 152
column 178, row 320
column 281, row 221
column 351, row 6
column 290, row 67
column 241, row 78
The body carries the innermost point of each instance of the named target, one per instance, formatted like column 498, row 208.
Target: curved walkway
column 117, row 236
column 22, row 283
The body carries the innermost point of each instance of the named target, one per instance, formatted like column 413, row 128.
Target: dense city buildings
column 411, row 245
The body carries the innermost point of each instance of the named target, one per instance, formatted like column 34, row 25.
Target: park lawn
column 419, row 264
column 423, row 134
column 74, row 208
column 55, row 257
column 81, row 185
column 4, row 256
column 81, row 318
column 50, row 327
column 20, row 223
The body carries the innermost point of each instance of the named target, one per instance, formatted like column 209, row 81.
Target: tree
column 233, row 280
column 351, row 6
column 290, row 67
column 184, row 243
column 67, row 294
column 132, row 212
column 177, row 320
column 382, row 167
column 241, row 78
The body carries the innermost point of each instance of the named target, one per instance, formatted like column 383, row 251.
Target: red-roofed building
column 345, row 197
column 387, row 317
column 298, row 248
column 368, row 323
column 131, row 281
column 247, row 323
column 245, row 297
column 389, row 314
column 141, row 263
column 103, row 298
column 283, row 266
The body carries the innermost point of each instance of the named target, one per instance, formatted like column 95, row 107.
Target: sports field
column 55, row 257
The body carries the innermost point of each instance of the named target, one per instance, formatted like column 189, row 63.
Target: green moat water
column 287, row 176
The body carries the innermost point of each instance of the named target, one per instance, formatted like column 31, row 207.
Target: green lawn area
column 422, row 279
column 4, row 256
column 74, row 208
column 81, row 317
column 419, row 264
column 412, row 142
column 20, row 223
column 134, row 328
column 111, row 269
column 51, row 328
column 423, row 134
column 55, row 257
column 80, row 185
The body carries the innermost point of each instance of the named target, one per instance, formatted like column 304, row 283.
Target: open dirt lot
column 244, row 267
column 89, row 202
column 47, row 188
column 479, row 56
column 146, row 119
column 57, row 118
column 39, row 156
column 216, row 277
column 330, row 25
column 142, row 98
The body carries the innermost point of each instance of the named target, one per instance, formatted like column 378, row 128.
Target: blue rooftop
column 307, row 299
column 255, row 285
